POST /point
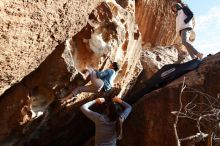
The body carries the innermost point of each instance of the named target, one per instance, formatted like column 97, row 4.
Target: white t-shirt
column 180, row 24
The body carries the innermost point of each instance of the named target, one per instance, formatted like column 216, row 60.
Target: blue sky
column 207, row 28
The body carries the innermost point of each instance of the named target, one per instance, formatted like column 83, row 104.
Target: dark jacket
column 188, row 13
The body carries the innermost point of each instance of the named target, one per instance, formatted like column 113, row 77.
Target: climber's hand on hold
column 117, row 99
column 100, row 100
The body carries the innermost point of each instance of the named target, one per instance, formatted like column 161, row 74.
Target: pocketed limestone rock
column 62, row 71
column 30, row 31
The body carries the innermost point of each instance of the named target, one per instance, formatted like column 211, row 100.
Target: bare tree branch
column 205, row 110
column 178, row 113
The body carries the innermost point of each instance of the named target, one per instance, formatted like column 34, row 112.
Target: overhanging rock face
column 109, row 32
column 30, row 31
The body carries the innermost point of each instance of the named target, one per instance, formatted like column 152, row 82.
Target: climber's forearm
column 103, row 64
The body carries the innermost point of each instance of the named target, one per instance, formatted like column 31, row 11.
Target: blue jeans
column 95, row 86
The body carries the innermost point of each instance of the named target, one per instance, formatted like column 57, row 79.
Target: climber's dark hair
column 116, row 66
column 113, row 108
column 114, row 112
column 178, row 6
column 35, row 91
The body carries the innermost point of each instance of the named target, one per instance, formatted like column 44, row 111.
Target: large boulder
column 151, row 119
column 155, row 58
